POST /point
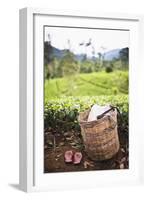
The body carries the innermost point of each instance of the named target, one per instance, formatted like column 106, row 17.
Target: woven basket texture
column 100, row 136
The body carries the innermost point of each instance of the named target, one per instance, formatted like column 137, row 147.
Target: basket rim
column 94, row 121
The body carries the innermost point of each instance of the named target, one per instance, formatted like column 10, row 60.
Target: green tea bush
column 109, row 69
column 61, row 114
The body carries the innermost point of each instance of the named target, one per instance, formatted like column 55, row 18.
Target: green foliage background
column 62, row 113
column 73, row 86
column 91, row 84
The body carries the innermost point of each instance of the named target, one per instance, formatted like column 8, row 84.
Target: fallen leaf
column 122, row 150
column 67, row 134
column 45, row 146
column 123, row 160
column 86, row 164
column 61, row 143
column 73, row 143
column 69, row 138
column 49, row 142
column 58, row 155
column 121, row 166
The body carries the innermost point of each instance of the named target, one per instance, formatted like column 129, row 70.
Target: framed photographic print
column 80, row 123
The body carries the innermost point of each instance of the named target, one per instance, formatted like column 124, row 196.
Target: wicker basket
column 100, row 136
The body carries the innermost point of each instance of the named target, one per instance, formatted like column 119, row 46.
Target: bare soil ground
column 55, row 145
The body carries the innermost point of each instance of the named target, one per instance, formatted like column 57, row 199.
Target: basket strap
column 102, row 115
column 118, row 112
column 109, row 116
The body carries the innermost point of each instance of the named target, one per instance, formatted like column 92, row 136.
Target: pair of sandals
column 71, row 157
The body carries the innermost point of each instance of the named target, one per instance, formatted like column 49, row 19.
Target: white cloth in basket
column 97, row 110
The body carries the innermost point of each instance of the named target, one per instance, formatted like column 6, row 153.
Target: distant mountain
column 113, row 54
column 79, row 57
column 59, row 53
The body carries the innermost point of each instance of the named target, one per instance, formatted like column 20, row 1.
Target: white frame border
column 27, row 85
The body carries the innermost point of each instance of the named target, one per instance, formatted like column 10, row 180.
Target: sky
column 101, row 40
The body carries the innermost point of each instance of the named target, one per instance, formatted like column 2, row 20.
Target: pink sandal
column 77, row 158
column 68, row 156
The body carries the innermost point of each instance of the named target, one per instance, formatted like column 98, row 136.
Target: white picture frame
column 31, row 175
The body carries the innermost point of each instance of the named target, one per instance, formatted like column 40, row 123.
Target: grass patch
column 92, row 84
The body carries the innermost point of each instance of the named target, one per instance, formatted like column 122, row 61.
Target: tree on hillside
column 48, row 49
column 124, row 57
column 69, row 68
column 100, row 58
column 68, row 64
